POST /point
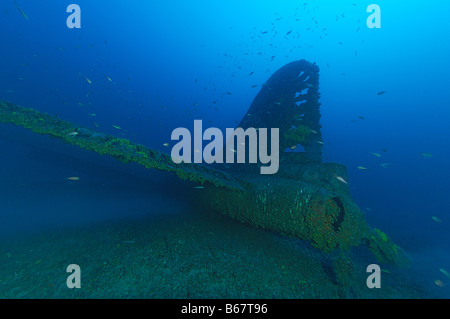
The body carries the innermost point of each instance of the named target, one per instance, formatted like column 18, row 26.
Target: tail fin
column 289, row 100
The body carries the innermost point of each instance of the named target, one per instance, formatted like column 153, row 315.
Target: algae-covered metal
column 119, row 148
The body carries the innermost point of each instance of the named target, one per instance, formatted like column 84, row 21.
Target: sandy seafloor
column 136, row 234
column 178, row 257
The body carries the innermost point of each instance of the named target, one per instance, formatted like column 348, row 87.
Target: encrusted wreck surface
column 119, row 148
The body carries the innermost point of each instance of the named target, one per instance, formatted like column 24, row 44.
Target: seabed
column 193, row 255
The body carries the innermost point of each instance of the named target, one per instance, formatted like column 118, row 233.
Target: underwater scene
column 224, row 149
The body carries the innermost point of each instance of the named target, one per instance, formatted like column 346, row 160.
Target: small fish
column 320, row 142
column 361, row 117
column 253, row 86
column 87, row 80
column 73, row 178
column 199, row 187
column 108, row 78
column 381, row 93
column 426, row 154
column 20, row 10
column 277, row 103
column 166, row 144
column 376, row 154
column 339, row 178
column 72, row 134
column 116, row 127
column 362, row 167
column 445, row 272
column 92, row 114
column 96, row 125
column 289, row 32
column 233, row 150
column 436, row 219
column 251, row 73
column 384, row 165
column 229, row 93
column 313, row 131
column 439, row 283
column 293, row 147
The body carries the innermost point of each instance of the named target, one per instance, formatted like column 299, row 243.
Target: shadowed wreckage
column 303, row 200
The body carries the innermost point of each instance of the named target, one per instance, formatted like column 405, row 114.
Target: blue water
column 171, row 62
